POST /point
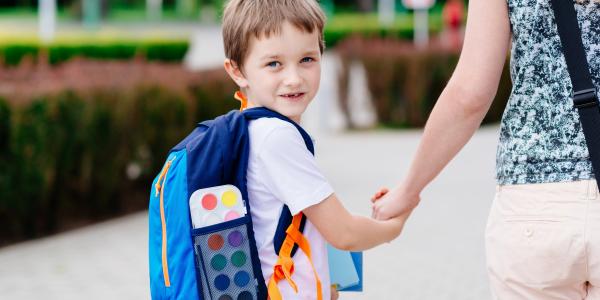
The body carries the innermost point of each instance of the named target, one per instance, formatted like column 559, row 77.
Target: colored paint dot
column 245, row 296
column 235, row 238
column 238, row 258
column 229, row 198
column 215, row 242
column 231, row 215
column 241, row 279
column 218, row 262
column 222, row 282
column 209, row 201
column 225, row 297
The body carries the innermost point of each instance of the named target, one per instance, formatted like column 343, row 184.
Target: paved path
column 439, row 256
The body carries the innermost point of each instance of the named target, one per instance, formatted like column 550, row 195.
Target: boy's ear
column 235, row 73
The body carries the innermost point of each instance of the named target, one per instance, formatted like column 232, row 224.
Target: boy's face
column 281, row 72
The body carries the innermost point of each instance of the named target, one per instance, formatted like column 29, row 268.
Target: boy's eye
column 274, row 64
column 307, row 59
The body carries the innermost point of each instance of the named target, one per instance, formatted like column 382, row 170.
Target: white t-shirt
column 281, row 170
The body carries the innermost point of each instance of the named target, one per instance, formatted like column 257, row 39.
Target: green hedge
column 334, row 36
column 405, row 82
column 166, row 51
column 344, row 25
column 77, row 157
column 12, row 55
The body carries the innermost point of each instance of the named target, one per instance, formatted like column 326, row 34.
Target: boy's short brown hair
column 243, row 19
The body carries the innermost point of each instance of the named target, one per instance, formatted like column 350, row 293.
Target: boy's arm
column 350, row 232
column 290, row 173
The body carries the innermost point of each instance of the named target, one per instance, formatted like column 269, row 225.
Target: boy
column 273, row 50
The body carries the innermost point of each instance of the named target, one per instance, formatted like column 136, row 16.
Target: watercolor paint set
column 222, row 244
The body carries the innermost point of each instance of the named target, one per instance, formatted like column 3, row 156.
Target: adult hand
column 396, row 202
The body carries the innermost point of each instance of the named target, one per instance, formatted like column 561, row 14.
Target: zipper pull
column 162, row 177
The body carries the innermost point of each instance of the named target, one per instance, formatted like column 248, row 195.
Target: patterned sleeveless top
column 540, row 137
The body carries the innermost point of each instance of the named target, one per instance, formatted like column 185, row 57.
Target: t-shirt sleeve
column 290, row 170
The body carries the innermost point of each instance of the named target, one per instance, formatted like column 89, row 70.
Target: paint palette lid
column 214, row 205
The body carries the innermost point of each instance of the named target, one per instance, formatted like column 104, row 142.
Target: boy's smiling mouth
column 292, row 96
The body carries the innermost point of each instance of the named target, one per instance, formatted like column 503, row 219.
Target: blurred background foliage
column 405, row 82
column 11, row 54
column 84, row 153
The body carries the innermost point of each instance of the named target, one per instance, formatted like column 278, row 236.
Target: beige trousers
column 543, row 241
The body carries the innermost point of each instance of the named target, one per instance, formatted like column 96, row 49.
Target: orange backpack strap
column 284, row 268
column 242, row 98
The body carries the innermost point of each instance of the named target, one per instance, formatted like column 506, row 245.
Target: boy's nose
column 292, row 77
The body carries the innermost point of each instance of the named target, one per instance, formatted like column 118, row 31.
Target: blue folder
column 345, row 269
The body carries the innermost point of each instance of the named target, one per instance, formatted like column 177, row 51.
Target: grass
column 370, row 21
column 24, row 13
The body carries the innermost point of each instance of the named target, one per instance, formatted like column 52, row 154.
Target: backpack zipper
column 161, row 189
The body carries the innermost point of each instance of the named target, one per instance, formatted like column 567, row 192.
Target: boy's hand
column 394, row 203
column 335, row 295
column 397, row 223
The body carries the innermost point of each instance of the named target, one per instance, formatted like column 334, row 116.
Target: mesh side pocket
column 225, row 265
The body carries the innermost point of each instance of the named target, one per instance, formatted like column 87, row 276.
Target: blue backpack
column 218, row 261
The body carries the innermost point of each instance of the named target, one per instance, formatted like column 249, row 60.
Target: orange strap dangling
column 242, row 98
column 284, row 268
column 160, row 188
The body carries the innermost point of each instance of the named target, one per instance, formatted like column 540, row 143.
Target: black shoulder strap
column 285, row 219
column 584, row 94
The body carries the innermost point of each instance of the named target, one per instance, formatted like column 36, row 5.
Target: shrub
column 165, row 51
column 405, row 82
column 90, row 151
column 60, row 52
column 13, row 54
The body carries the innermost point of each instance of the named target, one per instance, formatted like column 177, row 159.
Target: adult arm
column 461, row 106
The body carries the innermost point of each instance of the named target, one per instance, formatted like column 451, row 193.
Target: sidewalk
column 439, row 256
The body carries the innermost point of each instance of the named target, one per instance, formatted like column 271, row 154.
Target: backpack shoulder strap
column 572, row 45
column 284, row 268
column 585, row 98
column 288, row 236
column 285, row 220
